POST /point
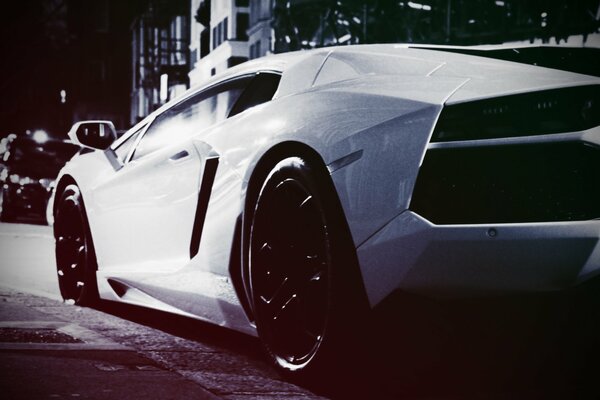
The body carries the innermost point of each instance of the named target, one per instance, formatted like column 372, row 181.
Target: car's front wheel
column 75, row 257
column 301, row 272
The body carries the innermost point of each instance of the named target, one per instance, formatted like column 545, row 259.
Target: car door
column 145, row 212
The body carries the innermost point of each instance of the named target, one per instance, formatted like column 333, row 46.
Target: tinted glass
column 190, row 116
column 260, row 90
column 124, row 148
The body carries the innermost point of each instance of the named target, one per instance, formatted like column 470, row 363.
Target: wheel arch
column 63, row 183
column 274, row 155
column 260, row 172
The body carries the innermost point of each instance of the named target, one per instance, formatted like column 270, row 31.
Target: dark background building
column 303, row 24
column 62, row 61
column 98, row 59
column 68, row 60
column 159, row 46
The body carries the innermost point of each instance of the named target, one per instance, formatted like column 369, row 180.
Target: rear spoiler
column 582, row 60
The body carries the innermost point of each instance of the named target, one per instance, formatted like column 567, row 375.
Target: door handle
column 179, row 156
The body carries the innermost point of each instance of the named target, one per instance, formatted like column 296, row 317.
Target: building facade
column 260, row 32
column 225, row 33
column 183, row 43
column 160, row 44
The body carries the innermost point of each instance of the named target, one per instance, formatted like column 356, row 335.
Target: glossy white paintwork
column 380, row 102
column 466, row 260
column 152, row 201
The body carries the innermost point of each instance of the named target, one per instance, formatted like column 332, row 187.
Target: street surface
column 528, row 349
column 202, row 360
column 27, row 259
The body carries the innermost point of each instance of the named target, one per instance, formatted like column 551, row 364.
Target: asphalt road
column 522, row 349
column 27, row 259
column 225, row 364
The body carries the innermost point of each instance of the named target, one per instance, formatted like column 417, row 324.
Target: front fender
column 85, row 170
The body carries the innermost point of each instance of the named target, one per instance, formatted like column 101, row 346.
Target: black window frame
column 247, row 95
column 134, row 138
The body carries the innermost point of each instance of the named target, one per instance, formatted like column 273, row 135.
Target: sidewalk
column 42, row 356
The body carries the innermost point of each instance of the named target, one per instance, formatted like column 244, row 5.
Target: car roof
column 299, row 68
column 483, row 71
column 485, row 75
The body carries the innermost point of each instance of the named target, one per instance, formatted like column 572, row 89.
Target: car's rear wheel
column 75, row 257
column 299, row 272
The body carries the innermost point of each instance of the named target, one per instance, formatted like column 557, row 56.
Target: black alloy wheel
column 293, row 266
column 75, row 257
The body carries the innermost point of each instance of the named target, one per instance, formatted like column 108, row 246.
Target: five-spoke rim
column 290, row 271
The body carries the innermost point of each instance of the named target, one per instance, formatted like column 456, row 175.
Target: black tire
column 305, row 286
column 75, row 256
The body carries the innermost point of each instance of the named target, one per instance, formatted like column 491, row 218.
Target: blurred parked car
column 27, row 172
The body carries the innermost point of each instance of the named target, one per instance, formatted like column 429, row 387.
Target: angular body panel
column 168, row 228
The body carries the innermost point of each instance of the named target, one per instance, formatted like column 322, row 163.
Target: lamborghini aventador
column 290, row 195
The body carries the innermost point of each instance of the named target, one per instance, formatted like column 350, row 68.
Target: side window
column 124, row 148
column 260, row 90
column 190, row 116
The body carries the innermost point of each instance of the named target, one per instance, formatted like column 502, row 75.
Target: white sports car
column 293, row 193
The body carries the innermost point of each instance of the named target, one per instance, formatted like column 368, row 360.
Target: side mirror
column 93, row 134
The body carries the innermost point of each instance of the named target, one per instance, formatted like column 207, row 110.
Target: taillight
column 538, row 113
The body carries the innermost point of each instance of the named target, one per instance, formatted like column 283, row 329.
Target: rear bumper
column 413, row 255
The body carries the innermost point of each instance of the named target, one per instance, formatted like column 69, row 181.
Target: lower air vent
column 119, row 288
column 509, row 184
